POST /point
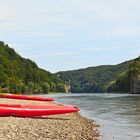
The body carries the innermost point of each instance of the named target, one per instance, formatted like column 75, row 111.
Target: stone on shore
column 70, row 126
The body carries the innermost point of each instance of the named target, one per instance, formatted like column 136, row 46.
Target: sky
column 64, row 35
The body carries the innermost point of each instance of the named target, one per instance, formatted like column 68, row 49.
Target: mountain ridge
column 103, row 78
column 22, row 75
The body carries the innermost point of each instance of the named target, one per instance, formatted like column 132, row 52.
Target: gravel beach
column 56, row 127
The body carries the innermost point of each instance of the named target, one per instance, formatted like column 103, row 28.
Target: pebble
column 58, row 127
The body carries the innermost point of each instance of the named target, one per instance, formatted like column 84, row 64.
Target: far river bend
column 117, row 114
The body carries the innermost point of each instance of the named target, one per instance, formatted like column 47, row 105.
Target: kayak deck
column 32, row 110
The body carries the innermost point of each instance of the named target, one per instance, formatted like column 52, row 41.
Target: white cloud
column 4, row 13
column 103, row 48
column 51, row 53
column 56, row 19
column 60, row 28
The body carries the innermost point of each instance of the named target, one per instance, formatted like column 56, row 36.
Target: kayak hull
column 25, row 97
column 33, row 110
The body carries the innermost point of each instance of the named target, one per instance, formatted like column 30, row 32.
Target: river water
column 117, row 114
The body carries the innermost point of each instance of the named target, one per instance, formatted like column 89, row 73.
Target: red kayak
column 34, row 110
column 24, row 97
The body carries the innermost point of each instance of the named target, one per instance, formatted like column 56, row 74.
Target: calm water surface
column 118, row 115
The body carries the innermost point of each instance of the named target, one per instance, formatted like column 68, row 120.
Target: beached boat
column 24, row 97
column 34, row 110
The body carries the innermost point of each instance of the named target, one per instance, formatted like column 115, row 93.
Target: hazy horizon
column 66, row 35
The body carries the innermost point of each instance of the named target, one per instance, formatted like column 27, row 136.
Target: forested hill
column 107, row 78
column 22, row 75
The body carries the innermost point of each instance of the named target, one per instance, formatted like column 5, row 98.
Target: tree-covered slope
column 129, row 80
column 135, row 76
column 18, row 74
column 107, row 78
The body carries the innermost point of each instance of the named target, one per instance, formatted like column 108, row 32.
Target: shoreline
column 70, row 126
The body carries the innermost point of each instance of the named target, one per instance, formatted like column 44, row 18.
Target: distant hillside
column 135, row 76
column 107, row 78
column 18, row 74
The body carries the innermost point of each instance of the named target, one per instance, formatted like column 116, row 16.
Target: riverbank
column 57, row 127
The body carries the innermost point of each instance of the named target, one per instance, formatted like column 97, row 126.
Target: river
column 117, row 114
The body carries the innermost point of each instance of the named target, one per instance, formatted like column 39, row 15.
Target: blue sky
column 70, row 34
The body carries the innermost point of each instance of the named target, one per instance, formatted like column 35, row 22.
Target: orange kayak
column 24, row 97
column 34, row 110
